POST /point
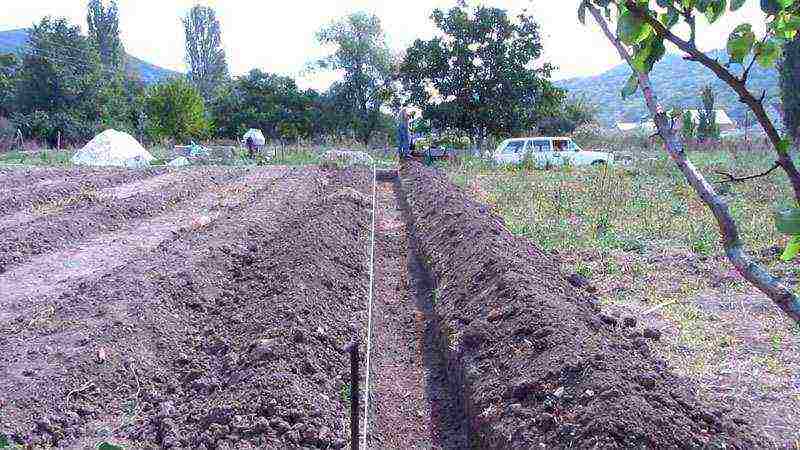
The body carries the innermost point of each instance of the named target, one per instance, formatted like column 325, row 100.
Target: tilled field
column 207, row 309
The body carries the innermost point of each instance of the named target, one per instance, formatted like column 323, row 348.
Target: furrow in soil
column 414, row 405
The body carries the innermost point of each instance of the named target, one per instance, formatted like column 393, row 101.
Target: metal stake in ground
column 355, row 412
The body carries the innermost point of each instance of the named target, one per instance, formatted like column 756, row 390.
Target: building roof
column 627, row 126
column 722, row 116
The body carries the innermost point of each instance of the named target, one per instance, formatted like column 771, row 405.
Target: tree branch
column 773, row 287
column 736, row 84
column 733, row 179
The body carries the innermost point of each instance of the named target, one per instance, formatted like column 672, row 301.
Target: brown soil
column 101, row 211
column 538, row 365
column 65, row 185
column 42, row 278
column 229, row 336
column 414, row 407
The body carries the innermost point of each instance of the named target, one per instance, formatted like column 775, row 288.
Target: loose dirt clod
column 527, row 348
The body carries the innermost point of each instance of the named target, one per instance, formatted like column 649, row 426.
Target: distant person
column 404, row 133
column 251, row 147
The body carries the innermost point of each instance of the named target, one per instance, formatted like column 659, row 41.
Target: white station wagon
column 552, row 151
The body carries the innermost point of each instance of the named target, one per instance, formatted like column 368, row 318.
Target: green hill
column 14, row 41
column 676, row 81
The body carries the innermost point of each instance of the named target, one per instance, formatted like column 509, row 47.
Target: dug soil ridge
column 231, row 337
column 538, row 365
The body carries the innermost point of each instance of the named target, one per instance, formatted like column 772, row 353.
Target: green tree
column 175, row 110
column 368, row 66
column 8, row 69
column 707, row 127
column 104, row 32
column 60, row 84
column 267, row 102
column 642, row 28
column 479, row 75
column 208, row 68
column 688, row 129
column 790, row 88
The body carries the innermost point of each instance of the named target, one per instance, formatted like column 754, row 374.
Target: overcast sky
column 278, row 35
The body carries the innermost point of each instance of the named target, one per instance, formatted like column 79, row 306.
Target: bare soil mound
column 92, row 212
column 539, row 366
column 230, row 337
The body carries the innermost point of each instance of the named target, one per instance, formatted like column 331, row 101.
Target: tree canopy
column 481, row 76
column 104, row 32
column 361, row 52
column 271, row 103
column 208, row 68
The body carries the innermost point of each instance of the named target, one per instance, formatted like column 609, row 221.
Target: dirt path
column 413, row 407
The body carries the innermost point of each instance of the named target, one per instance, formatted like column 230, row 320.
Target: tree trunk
column 773, row 287
column 790, row 88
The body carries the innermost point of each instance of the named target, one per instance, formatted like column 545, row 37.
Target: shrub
column 175, row 110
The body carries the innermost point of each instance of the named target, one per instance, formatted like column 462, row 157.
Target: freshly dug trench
column 539, row 366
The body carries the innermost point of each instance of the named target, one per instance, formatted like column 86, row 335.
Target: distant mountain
column 676, row 81
column 14, row 41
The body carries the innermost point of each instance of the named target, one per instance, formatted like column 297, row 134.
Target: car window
column 542, row 145
column 574, row 147
column 513, row 147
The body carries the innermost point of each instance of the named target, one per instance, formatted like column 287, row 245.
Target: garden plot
column 60, row 224
column 64, row 187
column 537, row 363
column 229, row 336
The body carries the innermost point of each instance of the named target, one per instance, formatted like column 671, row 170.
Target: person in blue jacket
column 404, row 133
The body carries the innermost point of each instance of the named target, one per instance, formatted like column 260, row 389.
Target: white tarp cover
column 113, row 148
column 257, row 137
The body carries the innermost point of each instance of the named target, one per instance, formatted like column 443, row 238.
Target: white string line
column 369, row 304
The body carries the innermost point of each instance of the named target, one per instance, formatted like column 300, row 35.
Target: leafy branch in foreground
column 641, row 30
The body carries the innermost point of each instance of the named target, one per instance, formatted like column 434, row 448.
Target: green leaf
column 107, row 446
column 715, row 9
column 631, row 86
column 767, row 53
column 736, row 4
column 639, row 60
column 740, row 42
column 4, row 441
column 670, row 18
column 632, row 30
column 785, row 26
column 785, row 145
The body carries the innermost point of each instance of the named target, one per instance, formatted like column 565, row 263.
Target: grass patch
column 56, row 158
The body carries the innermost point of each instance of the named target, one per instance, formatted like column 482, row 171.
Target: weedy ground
column 273, row 155
column 650, row 249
